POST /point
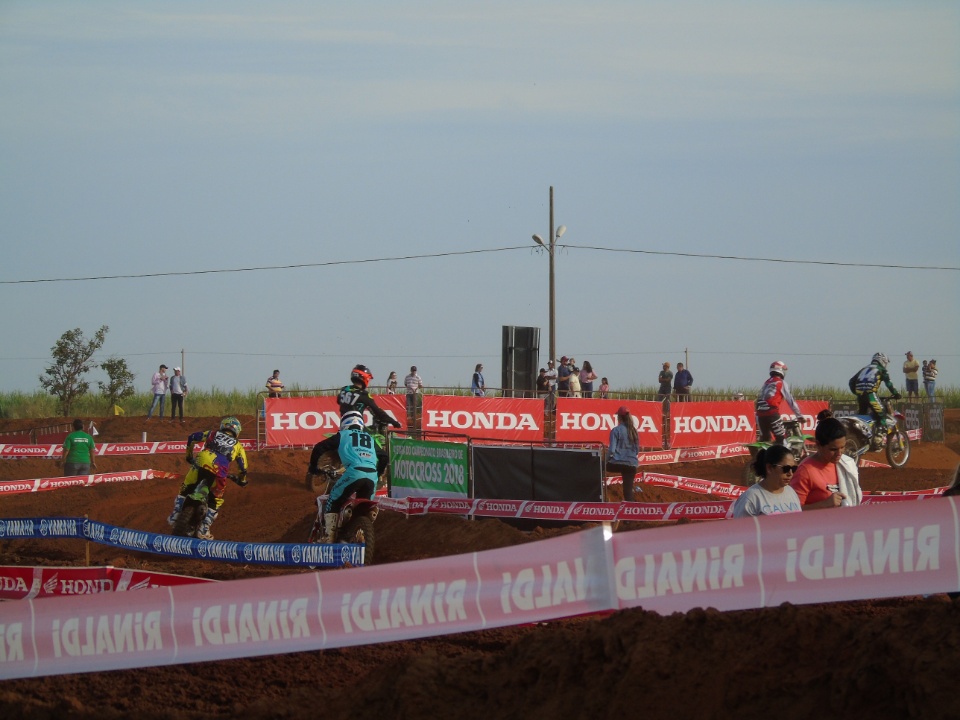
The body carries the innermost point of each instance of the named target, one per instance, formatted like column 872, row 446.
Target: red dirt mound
column 882, row 659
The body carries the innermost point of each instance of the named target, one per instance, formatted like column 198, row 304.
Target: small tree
column 119, row 383
column 72, row 359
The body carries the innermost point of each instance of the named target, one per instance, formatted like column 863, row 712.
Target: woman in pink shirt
column 828, row 478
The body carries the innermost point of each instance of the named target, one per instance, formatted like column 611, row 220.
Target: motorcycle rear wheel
column 359, row 529
column 898, row 448
column 189, row 519
column 851, row 447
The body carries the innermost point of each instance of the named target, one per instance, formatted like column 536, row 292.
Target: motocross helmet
column 880, row 359
column 778, row 367
column 231, row 425
column 350, row 419
column 361, row 375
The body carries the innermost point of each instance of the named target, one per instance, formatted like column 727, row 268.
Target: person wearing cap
column 911, row 369
column 550, row 404
column 563, row 376
column 665, row 378
column 414, row 384
column 622, row 454
column 178, row 388
column 159, row 384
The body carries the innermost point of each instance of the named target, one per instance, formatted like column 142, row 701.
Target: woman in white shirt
column 773, row 495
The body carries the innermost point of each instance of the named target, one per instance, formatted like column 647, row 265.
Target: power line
column 759, row 259
column 395, row 258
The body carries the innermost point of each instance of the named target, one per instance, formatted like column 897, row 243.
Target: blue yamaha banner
column 293, row 554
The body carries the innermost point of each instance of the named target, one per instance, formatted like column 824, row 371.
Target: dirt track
column 889, row 658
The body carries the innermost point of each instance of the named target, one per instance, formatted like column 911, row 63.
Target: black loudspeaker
column 521, row 352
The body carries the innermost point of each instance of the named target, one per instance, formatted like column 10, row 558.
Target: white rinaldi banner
column 516, row 419
column 590, row 420
column 308, row 420
column 847, row 554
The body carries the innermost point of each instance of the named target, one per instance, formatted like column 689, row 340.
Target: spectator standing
column 773, row 495
column 79, row 451
column 178, row 388
column 477, row 385
column 563, row 377
column 623, row 451
column 604, row 388
column 682, row 382
column 911, row 369
column 665, row 378
column 274, row 385
column 552, row 375
column 828, row 478
column 543, row 384
column 574, row 379
column 587, row 377
column 930, row 378
column 414, row 385
column 159, row 385
column 392, row 383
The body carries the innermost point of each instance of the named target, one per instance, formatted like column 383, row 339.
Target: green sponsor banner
column 419, row 468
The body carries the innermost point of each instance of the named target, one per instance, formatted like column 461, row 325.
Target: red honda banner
column 695, row 424
column 19, row 582
column 589, row 420
column 810, row 409
column 488, row 418
column 307, row 420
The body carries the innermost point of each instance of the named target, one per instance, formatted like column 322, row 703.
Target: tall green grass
column 217, row 401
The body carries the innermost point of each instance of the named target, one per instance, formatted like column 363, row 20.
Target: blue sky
column 153, row 138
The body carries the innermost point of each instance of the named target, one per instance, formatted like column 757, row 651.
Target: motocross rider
column 865, row 383
column 355, row 396
column 774, row 391
column 357, row 451
column 220, row 448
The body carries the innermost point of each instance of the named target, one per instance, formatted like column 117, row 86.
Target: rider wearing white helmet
column 865, row 383
column 358, row 453
column 774, row 391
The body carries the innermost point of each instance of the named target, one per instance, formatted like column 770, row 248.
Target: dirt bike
column 330, row 461
column 354, row 521
column 864, row 436
column 795, row 440
column 197, row 502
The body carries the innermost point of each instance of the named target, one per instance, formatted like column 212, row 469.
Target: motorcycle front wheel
column 359, row 529
column 898, row 448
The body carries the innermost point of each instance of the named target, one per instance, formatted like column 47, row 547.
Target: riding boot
column 330, row 527
column 203, row 532
column 177, row 507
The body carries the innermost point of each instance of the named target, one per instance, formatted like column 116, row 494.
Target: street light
column 550, row 248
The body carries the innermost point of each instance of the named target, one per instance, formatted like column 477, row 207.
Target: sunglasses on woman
column 786, row 469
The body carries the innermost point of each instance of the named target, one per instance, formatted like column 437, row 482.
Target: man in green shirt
column 79, row 451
